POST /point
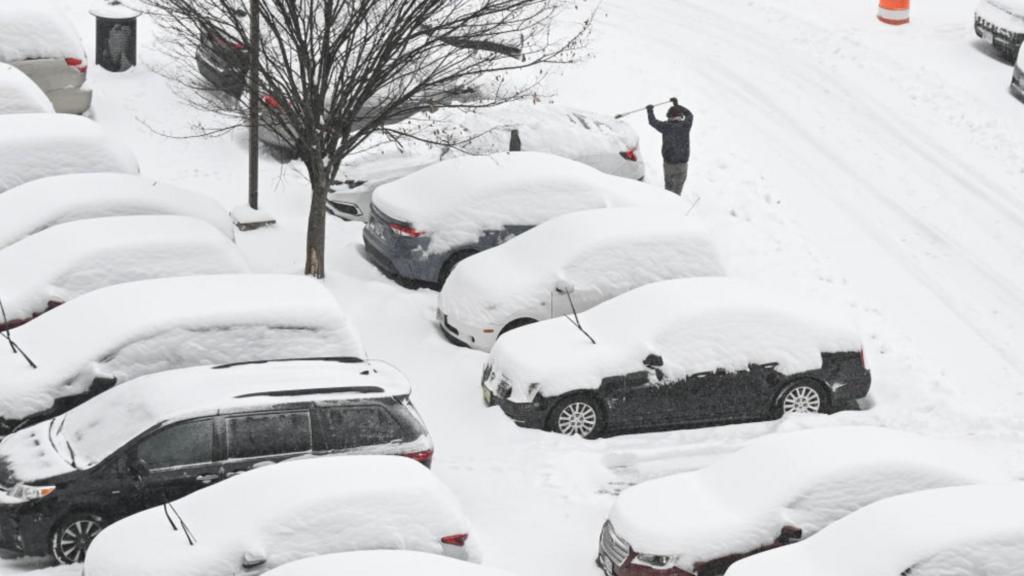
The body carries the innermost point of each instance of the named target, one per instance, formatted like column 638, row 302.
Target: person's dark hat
column 676, row 111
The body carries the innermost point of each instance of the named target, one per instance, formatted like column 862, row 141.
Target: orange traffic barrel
column 894, row 12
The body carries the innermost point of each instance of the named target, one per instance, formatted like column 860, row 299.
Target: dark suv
column 157, row 438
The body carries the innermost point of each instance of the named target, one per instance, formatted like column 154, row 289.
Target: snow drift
column 383, row 563
column 19, row 94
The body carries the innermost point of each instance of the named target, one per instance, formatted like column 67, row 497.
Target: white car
column 34, row 146
column 384, row 563
column 37, row 205
column 60, row 263
column 962, row 531
column 1001, row 24
column 271, row 516
column 775, row 491
column 571, row 263
column 19, row 94
column 597, row 140
column 121, row 332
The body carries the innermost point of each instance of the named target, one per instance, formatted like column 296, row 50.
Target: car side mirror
column 789, row 534
column 563, row 287
column 140, row 469
column 654, row 361
column 253, row 559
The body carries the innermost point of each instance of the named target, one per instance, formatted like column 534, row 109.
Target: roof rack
column 312, row 391
column 343, row 359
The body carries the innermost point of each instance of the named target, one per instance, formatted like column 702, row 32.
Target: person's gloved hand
column 674, row 101
column 650, row 107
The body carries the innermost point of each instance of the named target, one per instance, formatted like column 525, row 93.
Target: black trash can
column 115, row 35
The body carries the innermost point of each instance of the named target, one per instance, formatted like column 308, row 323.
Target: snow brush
column 624, row 114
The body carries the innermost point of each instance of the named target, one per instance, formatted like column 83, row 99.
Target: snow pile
column 303, row 508
column 139, row 328
column 457, row 200
column 962, row 531
column 1005, row 14
column 807, row 479
column 19, row 94
column 32, row 29
column 37, row 205
column 695, row 324
column 34, row 146
column 602, row 253
column 383, row 563
column 66, row 261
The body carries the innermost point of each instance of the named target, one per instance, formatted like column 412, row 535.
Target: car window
column 268, row 434
column 356, row 426
column 178, row 445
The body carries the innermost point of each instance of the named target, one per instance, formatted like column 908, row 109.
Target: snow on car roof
column 456, row 200
column 65, row 261
column 803, row 479
column 695, row 324
column 39, row 204
column 34, row 146
column 634, row 246
column 96, row 327
column 19, row 94
column 287, row 512
column 894, row 535
column 31, row 29
column 384, row 563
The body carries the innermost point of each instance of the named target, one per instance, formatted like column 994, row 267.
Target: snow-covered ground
column 880, row 167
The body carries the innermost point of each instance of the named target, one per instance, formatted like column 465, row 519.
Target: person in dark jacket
column 675, row 143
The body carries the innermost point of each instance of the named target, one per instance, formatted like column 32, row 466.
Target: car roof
column 31, row 29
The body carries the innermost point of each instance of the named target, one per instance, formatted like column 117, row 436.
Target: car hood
column 28, row 456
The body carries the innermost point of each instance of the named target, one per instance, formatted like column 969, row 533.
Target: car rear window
column 268, row 434
column 178, row 445
column 349, row 427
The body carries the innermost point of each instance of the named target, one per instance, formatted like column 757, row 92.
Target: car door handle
column 207, row 478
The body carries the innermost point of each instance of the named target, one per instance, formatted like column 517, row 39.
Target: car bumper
column 71, row 100
column 23, row 532
column 850, row 389
column 615, row 556
column 1017, row 85
column 463, row 335
column 525, row 414
column 398, row 265
column 221, row 76
column 998, row 36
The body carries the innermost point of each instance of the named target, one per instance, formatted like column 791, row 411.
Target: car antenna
column 567, row 290
column 7, row 334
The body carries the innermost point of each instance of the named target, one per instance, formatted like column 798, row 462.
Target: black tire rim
column 70, row 544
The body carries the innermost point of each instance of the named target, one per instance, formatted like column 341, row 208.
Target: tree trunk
column 315, row 233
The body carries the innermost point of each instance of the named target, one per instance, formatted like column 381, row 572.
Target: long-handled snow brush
column 624, row 114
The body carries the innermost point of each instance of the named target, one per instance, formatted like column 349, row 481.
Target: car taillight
column 407, row 231
column 456, row 539
column 272, row 102
column 863, row 358
column 423, row 456
column 222, row 41
column 629, row 155
column 77, row 64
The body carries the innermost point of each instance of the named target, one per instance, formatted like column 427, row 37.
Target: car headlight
column 26, row 492
column 656, row 561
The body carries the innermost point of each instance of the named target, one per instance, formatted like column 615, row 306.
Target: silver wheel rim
column 801, row 400
column 74, row 539
column 577, row 419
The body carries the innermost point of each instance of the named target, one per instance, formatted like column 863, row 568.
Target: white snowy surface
column 146, row 401
column 805, row 479
column 19, row 94
column 39, row 204
column 457, row 200
column 694, row 324
column 962, row 531
column 287, row 512
column 600, row 253
column 31, row 29
column 1006, row 14
column 138, row 328
column 68, row 260
column 34, row 146
column 384, row 563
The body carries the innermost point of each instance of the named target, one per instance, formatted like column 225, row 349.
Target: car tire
column 577, row 415
column 802, row 397
column 71, row 538
column 449, row 265
column 519, row 323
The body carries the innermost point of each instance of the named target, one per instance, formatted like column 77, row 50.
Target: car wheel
column 450, row 264
column 577, row 416
column 73, row 535
column 517, row 324
column 802, row 397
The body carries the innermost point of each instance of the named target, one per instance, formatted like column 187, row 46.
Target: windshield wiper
column 7, row 334
column 168, row 508
column 71, row 452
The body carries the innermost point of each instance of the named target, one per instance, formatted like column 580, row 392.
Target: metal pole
column 254, row 122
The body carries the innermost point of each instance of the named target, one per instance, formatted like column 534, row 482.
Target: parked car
column 38, row 39
column 962, row 531
column 383, row 563
column 175, row 432
column 777, row 490
column 222, row 60
column 19, row 94
column 599, row 254
column 597, row 140
column 1017, row 81
column 278, row 514
column 56, row 265
column 1001, row 24
column 34, row 146
column 121, row 332
column 685, row 352
column 37, row 205
column 422, row 225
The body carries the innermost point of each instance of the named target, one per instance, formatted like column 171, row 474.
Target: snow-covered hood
column 29, row 456
column 1005, row 14
column 384, row 563
column 36, row 29
column 19, row 94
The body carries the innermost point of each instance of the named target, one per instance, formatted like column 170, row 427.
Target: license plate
column 488, row 397
column 986, row 36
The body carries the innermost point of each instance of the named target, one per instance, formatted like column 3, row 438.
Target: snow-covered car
column 19, row 94
column 34, row 146
column 1017, row 81
column 38, row 39
column 166, row 435
column 677, row 353
column 51, row 267
column 776, row 490
column 37, row 205
column 1001, row 24
column 384, row 563
column 573, row 262
column 597, row 140
column 422, row 225
column 960, row 531
column 277, row 514
column 121, row 332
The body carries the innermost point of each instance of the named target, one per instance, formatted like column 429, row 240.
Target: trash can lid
column 113, row 10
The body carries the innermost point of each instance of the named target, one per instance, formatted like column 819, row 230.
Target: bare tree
column 333, row 72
